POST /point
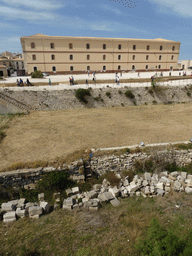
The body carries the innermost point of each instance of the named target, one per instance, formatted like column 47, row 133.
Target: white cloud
column 181, row 7
column 14, row 13
column 110, row 9
column 37, row 4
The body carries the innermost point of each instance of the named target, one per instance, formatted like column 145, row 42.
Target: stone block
column 160, row 185
column 9, row 217
column 132, row 188
column 164, row 179
column 115, row 202
column 143, row 194
column 45, row 206
column 164, row 174
column 124, row 193
column 35, row 217
column 21, row 212
column 91, row 194
column 114, row 191
column 106, row 196
column 125, row 182
column 67, row 207
column 68, row 191
column 188, row 190
column 145, row 183
column 93, row 209
column 91, row 202
column 138, row 193
column 160, row 192
column 146, row 190
column 189, row 176
column 97, row 186
column 69, row 201
column 30, row 186
column 176, row 185
column 8, row 207
column 184, row 175
column 35, row 210
column 41, row 197
column 167, row 188
column 152, row 189
column 30, row 204
column 22, row 201
column 147, row 176
column 75, row 190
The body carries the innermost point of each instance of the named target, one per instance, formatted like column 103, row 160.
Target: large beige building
column 62, row 54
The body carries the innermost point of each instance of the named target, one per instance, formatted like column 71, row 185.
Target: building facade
column 60, row 54
column 11, row 62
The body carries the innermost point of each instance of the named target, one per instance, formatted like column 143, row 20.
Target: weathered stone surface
column 114, row 191
column 147, row 176
column 67, row 207
column 45, row 206
column 145, row 183
column 160, row 192
column 184, row 175
column 8, row 207
column 176, row 185
column 97, row 186
column 188, row 190
column 106, row 196
column 160, row 185
column 35, row 210
column 68, row 191
column 21, row 212
column 132, row 188
column 115, row 202
column 9, row 217
column 69, row 201
column 91, row 194
column 75, row 190
column 93, row 209
column 41, row 197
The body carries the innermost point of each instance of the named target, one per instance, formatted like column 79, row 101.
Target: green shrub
column 129, row 94
column 108, row 94
column 154, row 102
column 188, row 94
column 37, row 74
column 81, row 93
column 138, row 166
column 160, row 241
column 122, row 105
column 111, row 177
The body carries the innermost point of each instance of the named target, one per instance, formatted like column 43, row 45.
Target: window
column 119, row 57
column 71, row 57
column 171, row 68
column 53, row 57
column 147, row 47
column 104, row 57
column 88, row 57
column 70, row 46
column 119, row 67
column 133, row 67
column 161, row 48
column 159, row 57
column 146, row 67
column 134, row 47
column 32, row 45
column 34, row 69
column 88, row 67
column 119, row 46
column 71, row 68
column 147, row 57
column 53, row 68
column 159, row 66
column 33, row 57
column 87, row 46
column 104, row 46
column 133, row 57
column 173, row 48
column 104, row 67
column 172, row 57
column 52, row 45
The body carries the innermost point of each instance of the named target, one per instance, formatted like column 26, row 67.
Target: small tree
column 37, row 74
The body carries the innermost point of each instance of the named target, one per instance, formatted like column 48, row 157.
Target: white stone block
column 8, row 207
column 145, row 183
column 147, row 176
column 188, row 190
column 160, row 185
column 115, row 202
column 21, row 213
column 35, row 210
column 45, row 206
column 75, row 190
column 114, row 191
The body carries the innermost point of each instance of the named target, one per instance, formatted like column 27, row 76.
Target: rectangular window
column 104, row 67
column 70, row 46
column 147, row 57
column 104, row 46
column 134, row 47
column 88, row 57
column 87, row 46
column 119, row 57
column 119, row 46
column 146, row 67
column 71, row 68
column 104, row 57
column 161, row 48
column 71, row 57
column 133, row 57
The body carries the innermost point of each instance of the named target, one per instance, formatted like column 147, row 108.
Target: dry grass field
column 50, row 134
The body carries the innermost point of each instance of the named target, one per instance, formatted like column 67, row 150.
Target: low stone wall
column 65, row 99
column 100, row 165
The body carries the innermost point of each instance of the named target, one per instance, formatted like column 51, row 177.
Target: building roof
column 97, row 38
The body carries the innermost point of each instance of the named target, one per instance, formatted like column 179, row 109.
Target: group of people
column 19, row 82
column 71, row 80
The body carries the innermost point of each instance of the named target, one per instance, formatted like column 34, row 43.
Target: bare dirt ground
column 50, row 134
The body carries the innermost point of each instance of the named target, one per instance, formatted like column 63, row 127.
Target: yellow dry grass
column 50, row 134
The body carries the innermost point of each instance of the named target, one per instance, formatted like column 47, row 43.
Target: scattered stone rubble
column 146, row 185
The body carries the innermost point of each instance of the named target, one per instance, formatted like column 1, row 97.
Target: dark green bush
column 163, row 242
column 81, row 93
column 2, row 135
column 108, row 94
column 129, row 94
column 37, row 74
column 188, row 94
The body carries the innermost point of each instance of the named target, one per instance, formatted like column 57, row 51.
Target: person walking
column 27, row 82
column 49, row 81
column 118, row 80
column 17, row 83
column 87, row 83
column 72, row 80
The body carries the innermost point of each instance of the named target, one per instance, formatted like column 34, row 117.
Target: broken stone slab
column 138, row 193
column 67, row 207
column 143, row 194
column 115, row 202
column 9, row 217
column 21, row 206
column 75, row 190
column 114, row 191
column 30, row 186
column 35, row 217
column 69, row 201
column 22, row 201
column 124, row 193
column 184, row 175
column 41, row 197
column 146, row 190
column 176, row 185
column 188, row 190
column 164, row 179
column 68, row 191
column 91, row 202
column 106, row 196
column 91, row 194
column 167, row 188
column 30, row 204
column 21, row 212
column 125, row 182
column 160, row 192
column 97, row 187
column 145, row 183
column 93, row 209
column 35, row 210
column 152, row 189
column 132, row 188
column 8, row 207
column 189, row 176
column 45, row 206
column 160, row 185
column 147, row 176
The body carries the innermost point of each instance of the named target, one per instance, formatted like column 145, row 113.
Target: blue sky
column 168, row 19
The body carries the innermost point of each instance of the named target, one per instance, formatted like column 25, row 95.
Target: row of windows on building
column 105, row 68
column 52, row 46
column 104, row 57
